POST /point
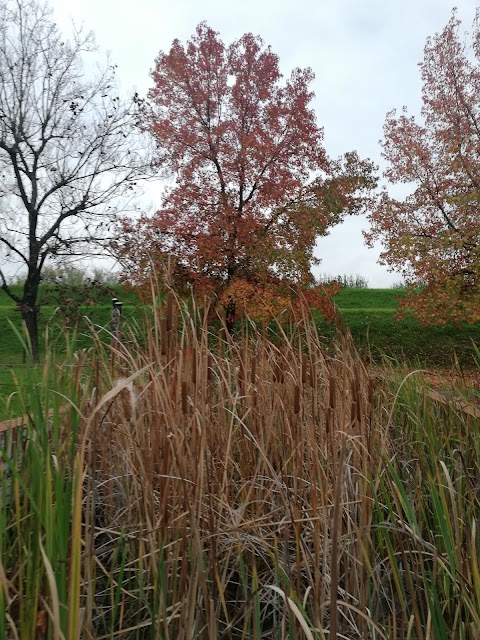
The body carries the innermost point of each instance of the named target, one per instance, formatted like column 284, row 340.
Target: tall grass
column 182, row 484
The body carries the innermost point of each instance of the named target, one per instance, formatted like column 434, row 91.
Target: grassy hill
column 368, row 299
column 369, row 314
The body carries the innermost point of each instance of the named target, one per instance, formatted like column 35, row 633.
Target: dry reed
column 253, row 488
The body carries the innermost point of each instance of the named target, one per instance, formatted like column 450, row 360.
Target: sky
column 364, row 54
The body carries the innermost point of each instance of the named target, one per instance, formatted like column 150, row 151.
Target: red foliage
column 243, row 215
column 432, row 235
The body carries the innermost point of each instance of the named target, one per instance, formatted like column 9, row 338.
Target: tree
column 432, row 235
column 244, row 212
column 66, row 152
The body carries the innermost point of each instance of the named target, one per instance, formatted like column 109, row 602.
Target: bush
column 348, row 281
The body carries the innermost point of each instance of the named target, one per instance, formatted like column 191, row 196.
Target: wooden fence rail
column 22, row 421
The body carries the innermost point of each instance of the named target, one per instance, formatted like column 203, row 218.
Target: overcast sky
column 364, row 54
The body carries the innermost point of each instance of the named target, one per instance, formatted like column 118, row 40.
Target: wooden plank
column 13, row 423
column 22, row 421
column 456, row 401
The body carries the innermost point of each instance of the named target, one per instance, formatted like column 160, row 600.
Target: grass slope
column 369, row 313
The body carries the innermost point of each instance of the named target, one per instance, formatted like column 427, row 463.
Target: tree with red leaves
column 432, row 235
column 253, row 185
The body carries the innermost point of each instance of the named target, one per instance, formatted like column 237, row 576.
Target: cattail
column 253, row 370
column 313, row 373
column 241, row 370
column 359, row 406
column 194, row 365
column 169, row 311
column 128, row 401
column 199, row 329
column 184, row 398
column 278, row 373
column 371, row 388
column 296, row 399
column 353, row 412
column 209, row 367
column 221, row 341
column 163, row 336
column 332, row 392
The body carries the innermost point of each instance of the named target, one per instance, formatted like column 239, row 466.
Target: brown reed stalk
column 304, row 368
column 164, row 336
column 184, row 397
column 296, row 400
column 169, row 309
column 336, row 535
column 214, row 497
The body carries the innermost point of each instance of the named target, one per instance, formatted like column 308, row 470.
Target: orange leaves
column 432, row 235
column 263, row 302
column 260, row 302
column 320, row 298
column 241, row 143
column 443, row 301
column 243, row 214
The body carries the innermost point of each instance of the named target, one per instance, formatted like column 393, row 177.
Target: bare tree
column 67, row 148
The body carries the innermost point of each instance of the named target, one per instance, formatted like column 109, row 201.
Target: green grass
column 368, row 313
column 13, row 379
column 386, row 299
column 376, row 333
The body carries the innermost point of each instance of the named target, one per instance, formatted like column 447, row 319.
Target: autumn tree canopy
column 432, row 235
column 67, row 152
column 253, row 185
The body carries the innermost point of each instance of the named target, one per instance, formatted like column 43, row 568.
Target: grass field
column 367, row 312
column 262, row 489
column 369, row 315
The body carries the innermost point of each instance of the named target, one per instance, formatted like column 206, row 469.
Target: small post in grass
column 116, row 335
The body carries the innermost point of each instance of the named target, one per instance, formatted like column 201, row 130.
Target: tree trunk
column 230, row 316
column 30, row 317
column 29, row 309
column 230, row 306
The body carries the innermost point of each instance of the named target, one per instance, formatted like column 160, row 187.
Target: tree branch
column 7, row 289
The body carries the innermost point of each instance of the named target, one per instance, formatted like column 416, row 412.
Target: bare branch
column 68, row 143
column 7, row 289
